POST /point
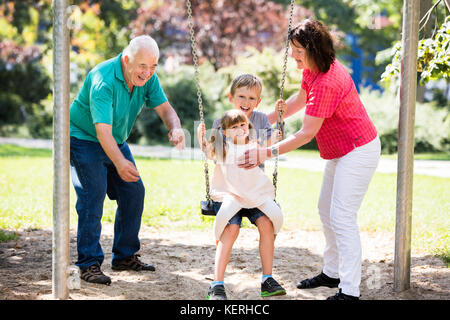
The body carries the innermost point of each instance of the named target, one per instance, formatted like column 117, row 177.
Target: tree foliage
column 23, row 83
column 233, row 36
column 433, row 57
column 364, row 19
column 99, row 30
column 223, row 28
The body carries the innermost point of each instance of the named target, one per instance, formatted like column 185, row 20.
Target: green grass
column 7, row 150
column 304, row 153
column 6, row 236
column 443, row 156
column 174, row 189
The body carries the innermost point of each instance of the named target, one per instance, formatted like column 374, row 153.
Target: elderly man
column 101, row 119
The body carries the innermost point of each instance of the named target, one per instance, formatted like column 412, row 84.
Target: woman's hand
column 253, row 158
column 295, row 103
column 281, row 106
column 278, row 134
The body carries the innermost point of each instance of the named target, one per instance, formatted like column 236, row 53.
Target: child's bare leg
column 223, row 250
column 274, row 213
column 269, row 286
column 266, row 243
column 227, row 210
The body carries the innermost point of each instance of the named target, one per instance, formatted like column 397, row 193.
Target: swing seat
column 207, row 208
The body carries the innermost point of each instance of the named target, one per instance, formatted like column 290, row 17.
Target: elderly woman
column 345, row 136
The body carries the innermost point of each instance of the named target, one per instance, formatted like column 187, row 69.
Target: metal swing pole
column 61, row 149
column 408, row 85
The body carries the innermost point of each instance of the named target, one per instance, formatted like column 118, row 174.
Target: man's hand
column 172, row 122
column 125, row 168
column 127, row 171
column 176, row 137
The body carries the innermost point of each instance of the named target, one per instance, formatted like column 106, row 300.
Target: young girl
column 238, row 188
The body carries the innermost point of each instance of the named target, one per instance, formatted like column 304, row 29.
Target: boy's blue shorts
column 252, row 214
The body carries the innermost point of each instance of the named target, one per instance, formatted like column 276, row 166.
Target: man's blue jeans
column 94, row 176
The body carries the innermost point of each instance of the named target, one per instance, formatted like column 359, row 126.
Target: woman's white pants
column 345, row 182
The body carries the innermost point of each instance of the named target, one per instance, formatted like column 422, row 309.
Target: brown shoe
column 93, row 274
column 132, row 263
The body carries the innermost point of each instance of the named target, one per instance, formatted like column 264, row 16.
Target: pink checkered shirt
column 333, row 96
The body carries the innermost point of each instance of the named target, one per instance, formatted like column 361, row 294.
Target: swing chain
column 286, row 51
column 280, row 125
column 199, row 93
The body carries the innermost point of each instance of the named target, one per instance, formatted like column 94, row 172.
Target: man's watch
column 274, row 151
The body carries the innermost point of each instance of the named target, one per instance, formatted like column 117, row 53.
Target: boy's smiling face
column 245, row 99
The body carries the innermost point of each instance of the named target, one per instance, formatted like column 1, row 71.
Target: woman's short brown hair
column 316, row 39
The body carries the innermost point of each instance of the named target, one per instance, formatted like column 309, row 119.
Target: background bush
column 24, row 85
column 432, row 123
column 181, row 91
column 34, row 109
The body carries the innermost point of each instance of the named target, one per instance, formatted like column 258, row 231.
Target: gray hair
column 141, row 42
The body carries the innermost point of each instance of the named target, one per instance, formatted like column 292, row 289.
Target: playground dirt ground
column 184, row 264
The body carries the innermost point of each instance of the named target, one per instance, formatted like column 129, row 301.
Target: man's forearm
column 168, row 116
column 109, row 144
column 172, row 121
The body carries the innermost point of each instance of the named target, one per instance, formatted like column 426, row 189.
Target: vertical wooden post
column 408, row 84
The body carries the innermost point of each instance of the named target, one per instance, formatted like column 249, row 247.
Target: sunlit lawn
column 174, row 189
column 443, row 156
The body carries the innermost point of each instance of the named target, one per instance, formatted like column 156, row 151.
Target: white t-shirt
column 250, row 187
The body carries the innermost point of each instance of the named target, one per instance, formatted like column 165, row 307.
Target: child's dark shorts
column 252, row 214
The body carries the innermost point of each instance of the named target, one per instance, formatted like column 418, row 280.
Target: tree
column 99, row 31
column 366, row 21
column 223, row 28
column 433, row 56
column 23, row 83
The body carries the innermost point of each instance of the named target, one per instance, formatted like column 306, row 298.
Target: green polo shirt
column 106, row 98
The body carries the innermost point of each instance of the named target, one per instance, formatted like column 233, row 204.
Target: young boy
column 245, row 95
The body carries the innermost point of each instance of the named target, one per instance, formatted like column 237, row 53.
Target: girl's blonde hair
column 229, row 119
